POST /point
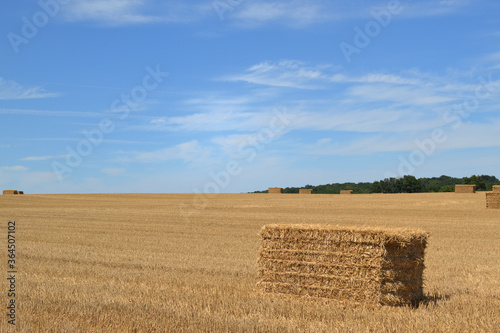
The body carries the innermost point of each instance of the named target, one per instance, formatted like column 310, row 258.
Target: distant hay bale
column 346, row 191
column 465, row 188
column 496, row 188
column 368, row 265
column 275, row 190
column 305, row 191
column 20, row 192
column 10, row 192
column 493, row 200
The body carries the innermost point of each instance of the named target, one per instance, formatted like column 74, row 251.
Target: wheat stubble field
column 134, row 263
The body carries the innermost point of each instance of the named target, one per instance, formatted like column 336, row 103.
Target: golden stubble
column 136, row 263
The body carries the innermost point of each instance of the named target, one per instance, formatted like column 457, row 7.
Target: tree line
column 406, row 184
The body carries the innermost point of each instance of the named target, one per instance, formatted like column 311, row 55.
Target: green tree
column 410, row 184
column 475, row 180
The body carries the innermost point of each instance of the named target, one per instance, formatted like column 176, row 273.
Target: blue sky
column 239, row 95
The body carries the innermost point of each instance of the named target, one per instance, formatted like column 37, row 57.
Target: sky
column 138, row 96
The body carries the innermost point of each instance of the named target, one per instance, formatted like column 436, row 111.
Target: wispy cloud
column 245, row 14
column 114, row 12
column 42, row 158
column 291, row 13
column 14, row 168
column 47, row 113
column 188, row 152
column 113, row 171
column 127, row 12
column 13, row 90
column 399, row 95
column 286, row 73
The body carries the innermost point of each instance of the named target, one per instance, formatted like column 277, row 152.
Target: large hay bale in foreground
column 10, row 192
column 369, row 265
column 493, row 200
column 496, row 188
column 275, row 190
column 346, row 191
column 465, row 188
column 305, row 191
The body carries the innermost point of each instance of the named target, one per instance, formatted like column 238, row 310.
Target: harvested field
column 305, row 191
column 465, row 188
column 162, row 263
column 346, row 192
column 275, row 190
column 364, row 265
column 493, row 200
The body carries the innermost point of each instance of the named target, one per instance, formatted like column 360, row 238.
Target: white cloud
column 400, row 95
column 286, row 73
column 291, row 13
column 48, row 113
column 126, row 12
column 14, row 168
column 115, row 12
column 13, row 90
column 188, row 152
column 113, row 171
column 41, row 158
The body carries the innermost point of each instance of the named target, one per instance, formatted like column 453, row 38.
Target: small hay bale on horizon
column 347, row 192
column 349, row 264
column 496, row 189
column 10, row 192
column 20, row 192
column 278, row 190
column 493, row 200
column 305, row 191
column 465, row 188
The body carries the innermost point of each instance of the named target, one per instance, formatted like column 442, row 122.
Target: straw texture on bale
column 275, row 190
column 364, row 265
column 465, row 188
column 305, row 191
column 346, row 191
column 493, row 200
column 10, row 192
column 496, row 188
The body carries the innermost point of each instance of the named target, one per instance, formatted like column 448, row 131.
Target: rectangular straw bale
column 496, row 188
column 305, row 191
column 10, row 192
column 493, row 200
column 370, row 265
column 465, row 188
column 275, row 190
column 346, row 191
